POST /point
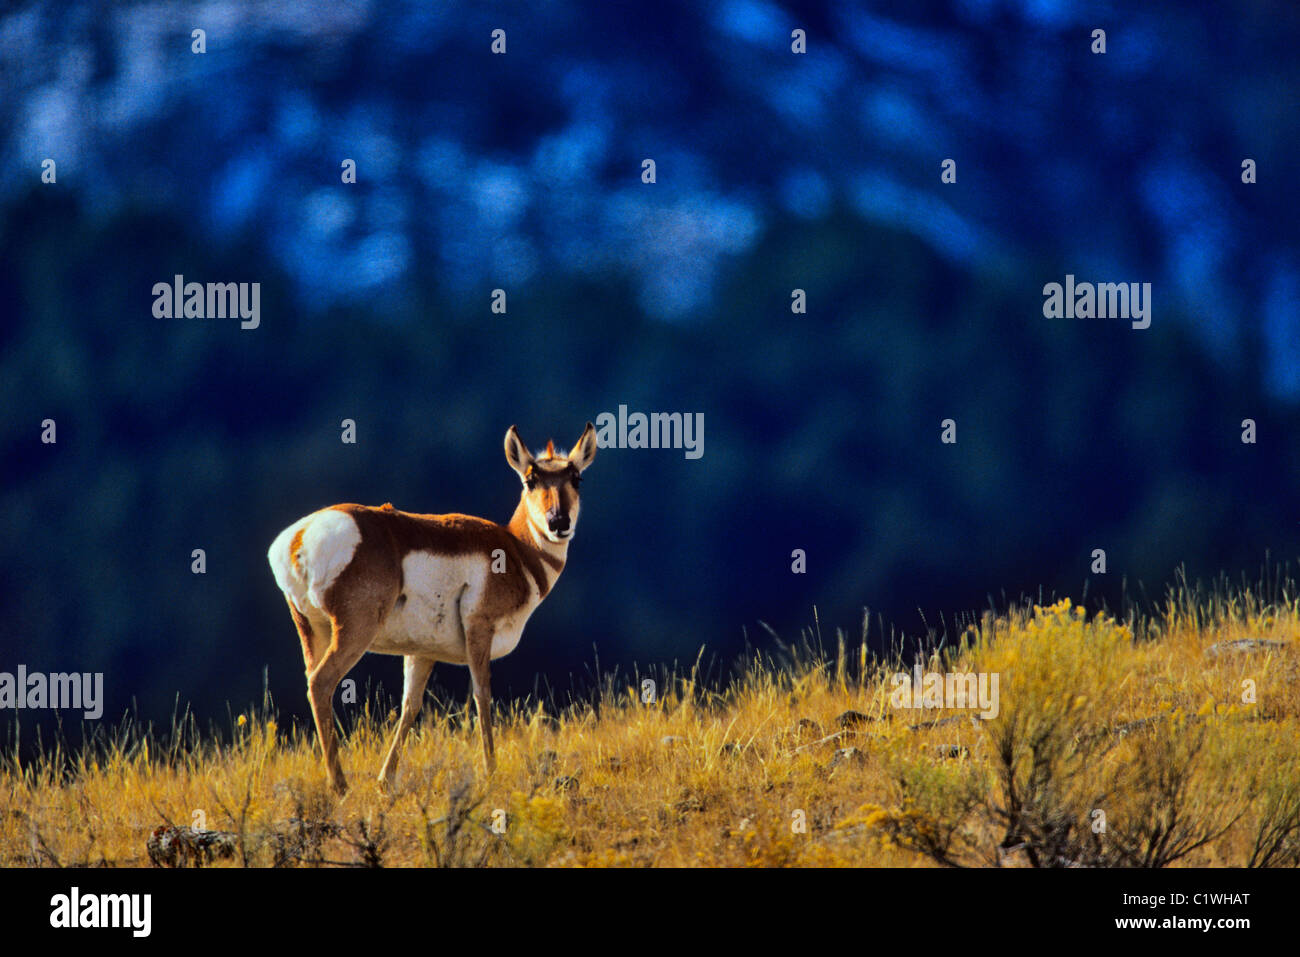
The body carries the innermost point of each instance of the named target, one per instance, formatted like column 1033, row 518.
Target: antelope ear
column 585, row 451
column 517, row 455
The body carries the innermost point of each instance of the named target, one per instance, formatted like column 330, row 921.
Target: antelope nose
column 557, row 523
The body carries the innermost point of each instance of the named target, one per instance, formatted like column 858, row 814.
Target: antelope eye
column 576, row 480
column 531, row 482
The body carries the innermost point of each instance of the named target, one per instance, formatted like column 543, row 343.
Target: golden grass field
column 1110, row 749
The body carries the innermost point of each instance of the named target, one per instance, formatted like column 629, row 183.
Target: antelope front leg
column 479, row 646
column 415, row 675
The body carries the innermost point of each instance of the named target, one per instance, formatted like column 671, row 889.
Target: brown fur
column 295, row 546
column 368, row 588
column 390, row 535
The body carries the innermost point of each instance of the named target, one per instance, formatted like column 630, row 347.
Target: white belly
column 437, row 591
column 508, row 635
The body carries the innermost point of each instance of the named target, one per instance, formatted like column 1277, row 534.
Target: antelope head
column 551, row 479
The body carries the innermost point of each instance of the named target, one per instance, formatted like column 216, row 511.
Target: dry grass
column 1148, row 733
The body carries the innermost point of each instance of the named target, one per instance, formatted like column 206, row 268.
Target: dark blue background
column 775, row 171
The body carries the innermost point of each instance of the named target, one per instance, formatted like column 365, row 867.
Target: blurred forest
column 775, row 172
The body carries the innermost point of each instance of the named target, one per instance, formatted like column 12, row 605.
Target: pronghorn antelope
column 430, row 588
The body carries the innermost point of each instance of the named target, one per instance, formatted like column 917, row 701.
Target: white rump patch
column 329, row 540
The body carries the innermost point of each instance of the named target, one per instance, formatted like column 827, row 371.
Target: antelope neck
column 522, row 527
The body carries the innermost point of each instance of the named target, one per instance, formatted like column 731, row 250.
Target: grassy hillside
column 1161, row 740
